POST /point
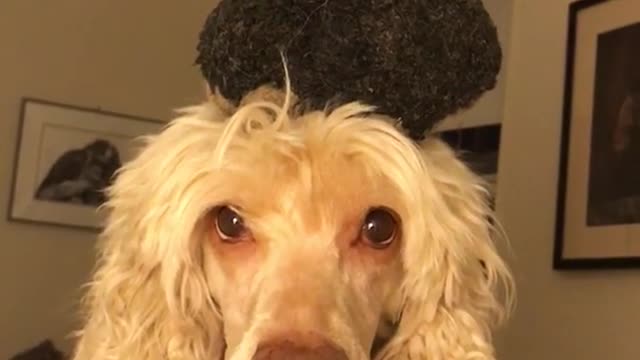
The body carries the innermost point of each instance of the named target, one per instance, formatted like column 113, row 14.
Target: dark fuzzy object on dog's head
column 416, row 60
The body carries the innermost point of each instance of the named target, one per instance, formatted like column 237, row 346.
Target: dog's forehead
column 309, row 178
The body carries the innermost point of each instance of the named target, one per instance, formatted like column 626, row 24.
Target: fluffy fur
column 164, row 290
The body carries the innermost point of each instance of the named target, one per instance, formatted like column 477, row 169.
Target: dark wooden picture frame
column 587, row 219
column 65, row 156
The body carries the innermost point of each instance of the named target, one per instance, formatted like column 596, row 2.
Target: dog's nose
column 304, row 349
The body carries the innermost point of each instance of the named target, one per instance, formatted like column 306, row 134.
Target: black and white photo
column 67, row 158
column 81, row 175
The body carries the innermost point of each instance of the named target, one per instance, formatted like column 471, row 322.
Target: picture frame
column 66, row 156
column 598, row 205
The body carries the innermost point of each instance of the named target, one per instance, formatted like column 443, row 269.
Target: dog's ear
column 456, row 286
column 148, row 298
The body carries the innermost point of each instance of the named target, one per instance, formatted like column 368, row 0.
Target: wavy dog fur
column 151, row 295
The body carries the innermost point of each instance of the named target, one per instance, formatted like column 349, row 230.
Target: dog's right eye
column 230, row 225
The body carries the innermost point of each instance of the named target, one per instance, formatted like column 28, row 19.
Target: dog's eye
column 379, row 228
column 229, row 224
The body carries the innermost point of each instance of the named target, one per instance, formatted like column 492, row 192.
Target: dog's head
column 256, row 233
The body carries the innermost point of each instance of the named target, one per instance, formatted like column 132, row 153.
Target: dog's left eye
column 230, row 225
column 379, row 228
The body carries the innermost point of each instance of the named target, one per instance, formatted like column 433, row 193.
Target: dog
column 257, row 232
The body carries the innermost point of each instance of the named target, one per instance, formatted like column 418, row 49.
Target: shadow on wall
column 46, row 350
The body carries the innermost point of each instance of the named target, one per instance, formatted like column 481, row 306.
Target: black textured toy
column 416, row 60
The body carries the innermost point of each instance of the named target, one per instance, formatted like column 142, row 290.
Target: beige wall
column 560, row 316
column 127, row 56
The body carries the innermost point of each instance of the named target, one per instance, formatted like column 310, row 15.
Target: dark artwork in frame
column 81, row 175
column 598, row 207
column 66, row 157
column 614, row 176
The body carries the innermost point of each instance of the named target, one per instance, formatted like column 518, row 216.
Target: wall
column 127, row 56
column 560, row 316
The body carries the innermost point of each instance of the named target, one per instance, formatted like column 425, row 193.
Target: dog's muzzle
column 299, row 348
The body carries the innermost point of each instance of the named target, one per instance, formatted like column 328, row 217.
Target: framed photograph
column 479, row 148
column 66, row 156
column 598, row 213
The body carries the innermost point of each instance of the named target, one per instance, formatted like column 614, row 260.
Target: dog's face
column 251, row 235
column 303, row 247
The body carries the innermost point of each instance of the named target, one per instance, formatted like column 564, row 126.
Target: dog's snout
column 299, row 349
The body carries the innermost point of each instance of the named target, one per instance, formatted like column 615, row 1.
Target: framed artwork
column 479, row 148
column 66, row 156
column 598, row 212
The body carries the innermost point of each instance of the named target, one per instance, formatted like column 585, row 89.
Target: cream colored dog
column 259, row 233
